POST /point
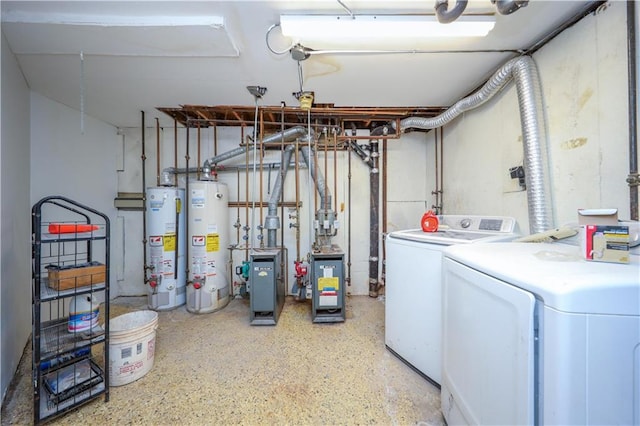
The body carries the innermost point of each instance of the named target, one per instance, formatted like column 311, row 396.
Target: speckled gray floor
column 216, row 369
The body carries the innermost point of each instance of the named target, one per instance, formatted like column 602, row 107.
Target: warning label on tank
column 213, row 242
column 198, row 240
column 155, row 241
column 170, row 242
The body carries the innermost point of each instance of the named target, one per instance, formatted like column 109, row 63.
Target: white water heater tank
column 208, row 285
column 166, row 247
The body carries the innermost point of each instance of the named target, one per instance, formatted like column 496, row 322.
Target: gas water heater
column 208, row 284
column 166, row 247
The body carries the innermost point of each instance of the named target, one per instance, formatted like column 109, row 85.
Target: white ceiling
column 133, row 68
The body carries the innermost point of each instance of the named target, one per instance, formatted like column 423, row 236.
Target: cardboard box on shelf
column 82, row 275
column 602, row 239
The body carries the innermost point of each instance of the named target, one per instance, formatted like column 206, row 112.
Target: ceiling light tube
column 382, row 26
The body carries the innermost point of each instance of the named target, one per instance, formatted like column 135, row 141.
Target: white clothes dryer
column 534, row 334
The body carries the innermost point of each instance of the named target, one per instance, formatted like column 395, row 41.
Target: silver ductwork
column 321, row 186
column 288, row 135
column 272, row 222
column 210, row 162
column 523, row 70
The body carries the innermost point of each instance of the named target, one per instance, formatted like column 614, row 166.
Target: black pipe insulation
column 633, row 179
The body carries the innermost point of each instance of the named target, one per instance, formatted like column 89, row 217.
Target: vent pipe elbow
column 166, row 177
column 507, row 7
column 446, row 16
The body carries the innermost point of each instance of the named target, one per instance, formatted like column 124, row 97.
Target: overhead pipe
column 157, row 151
column 446, row 16
column 523, row 71
column 507, row 7
column 288, row 135
column 272, row 222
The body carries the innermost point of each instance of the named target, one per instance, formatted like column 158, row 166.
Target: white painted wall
column 15, row 218
column 66, row 161
column 583, row 73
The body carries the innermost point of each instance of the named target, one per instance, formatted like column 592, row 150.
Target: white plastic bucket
column 132, row 344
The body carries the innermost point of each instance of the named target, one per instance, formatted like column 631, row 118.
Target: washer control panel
column 493, row 224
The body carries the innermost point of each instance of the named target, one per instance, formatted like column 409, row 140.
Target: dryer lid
column 558, row 275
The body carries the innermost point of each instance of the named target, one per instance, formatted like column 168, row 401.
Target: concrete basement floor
column 216, row 369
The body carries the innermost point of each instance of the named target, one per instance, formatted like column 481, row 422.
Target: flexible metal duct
column 272, row 222
column 523, row 71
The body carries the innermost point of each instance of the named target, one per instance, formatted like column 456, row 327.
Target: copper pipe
column 326, row 169
column 282, row 195
column 288, row 204
column 238, row 204
column 315, row 193
column 335, row 171
column 175, row 150
column 297, row 202
column 348, row 279
column 261, row 175
column 384, row 210
column 437, row 171
column 441, row 202
column 186, row 211
column 246, row 190
column 215, row 140
column 157, row 151
column 198, row 155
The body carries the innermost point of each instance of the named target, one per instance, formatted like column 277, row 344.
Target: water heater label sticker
column 197, row 198
column 170, row 242
column 170, row 228
column 197, row 240
column 213, row 242
column 212, row 229
column 156, row 204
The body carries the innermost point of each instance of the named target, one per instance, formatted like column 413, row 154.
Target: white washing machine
column 533, row 334
column 413, row 325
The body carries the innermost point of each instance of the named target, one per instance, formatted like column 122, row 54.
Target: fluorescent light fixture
column 382, row 26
